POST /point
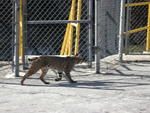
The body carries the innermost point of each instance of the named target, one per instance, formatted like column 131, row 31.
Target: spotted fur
column 61, row 64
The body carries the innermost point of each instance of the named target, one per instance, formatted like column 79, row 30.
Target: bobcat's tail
column 32, row 59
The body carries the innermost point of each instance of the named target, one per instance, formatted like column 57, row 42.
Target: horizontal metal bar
column 137, row 30
column 57, row 21
column 137, row 4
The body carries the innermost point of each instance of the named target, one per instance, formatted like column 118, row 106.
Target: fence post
column 24, row 33
column 121, row 29
column 16, row 40
column 90, row 32
column 148, row 31
column 97, row 49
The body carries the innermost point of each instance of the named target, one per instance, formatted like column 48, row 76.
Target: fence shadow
column 97, row 84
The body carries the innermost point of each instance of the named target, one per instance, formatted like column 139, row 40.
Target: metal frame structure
column 21, row 24
column 97, row 47
column 71, row 21
column 16, row 40
column 21, row 33
column 121, row 30
column 91, row 32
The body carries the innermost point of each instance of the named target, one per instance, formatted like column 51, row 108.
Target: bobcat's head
column 78, row 59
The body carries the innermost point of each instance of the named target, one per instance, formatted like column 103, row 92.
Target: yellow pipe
column 68, row 38
column 148, row 32
column 71, row 29
column 74, row 24
column 143, row 28
column 20, row 30
column 77, row 40
column 64, row 48
column 136, row 30
column 64, row 45
column 137, row 4
column 70, row 41
column 78, row 27
column 68, row 48
column 65, row 40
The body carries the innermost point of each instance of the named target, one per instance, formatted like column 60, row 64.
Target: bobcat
column 62, row 64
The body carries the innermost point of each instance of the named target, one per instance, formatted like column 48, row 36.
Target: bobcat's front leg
column 44, row 71
column 68, row 77
column 59, row 76
column 25, row 77
column 32, row 70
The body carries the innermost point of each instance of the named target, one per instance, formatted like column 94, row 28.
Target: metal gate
column 136, row 23
column 45, row 25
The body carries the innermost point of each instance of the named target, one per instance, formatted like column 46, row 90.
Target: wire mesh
column 108, row 27
column 6, row 31
column 6, row 35
column 53, row 9
column 136, row 17
column 46, row 39
column 108, row 17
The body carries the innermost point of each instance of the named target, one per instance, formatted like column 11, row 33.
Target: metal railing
column 136, row 27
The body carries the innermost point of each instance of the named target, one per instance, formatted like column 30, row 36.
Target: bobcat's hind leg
column 32, row 70
column 59, row 76
column 44, row 71
column 25, row 77
column 29, row 73
column 68, row 77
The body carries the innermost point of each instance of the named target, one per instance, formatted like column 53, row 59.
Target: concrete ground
column 123, row 88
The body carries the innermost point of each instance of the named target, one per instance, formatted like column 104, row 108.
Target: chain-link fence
column 133, row 33
column 6, row 30
column 108, row 28
column 136, row 16
column 6, row 33
column 46, row 26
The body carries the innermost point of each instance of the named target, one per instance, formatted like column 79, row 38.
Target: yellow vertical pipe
column 68, row 49
column 67, row 43
column 64, row 45
column 20, row 30
column 78, row 27
column 70, row 41
column 148, row 31
column 65, row 40
column 70, row 38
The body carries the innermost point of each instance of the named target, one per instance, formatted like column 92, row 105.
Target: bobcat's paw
column 73, row 81
column 46, row 82
column 57, row 79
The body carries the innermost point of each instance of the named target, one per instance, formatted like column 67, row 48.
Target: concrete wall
column 108, row 26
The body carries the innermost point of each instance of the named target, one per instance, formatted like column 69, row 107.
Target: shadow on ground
column 109, row 84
